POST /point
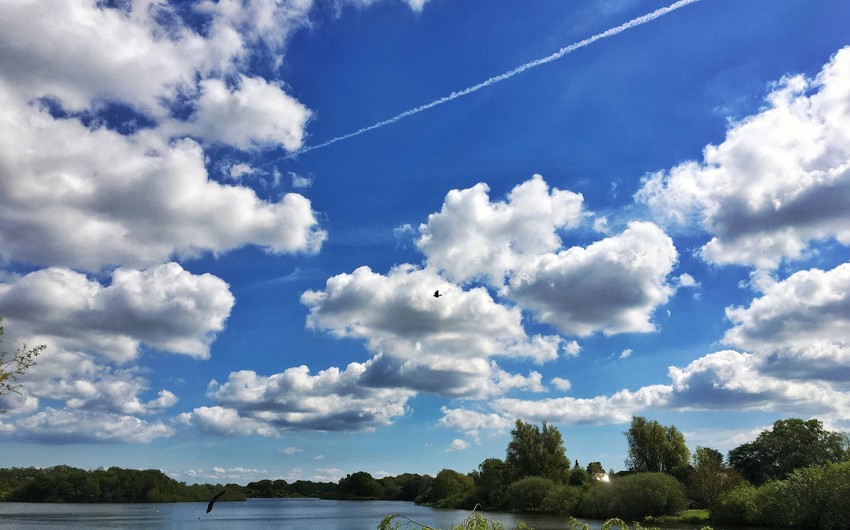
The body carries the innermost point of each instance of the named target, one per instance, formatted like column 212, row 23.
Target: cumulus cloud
column 473, row 422
column 164, row 307
column 458, row 445
column 427, row 343
column 129, row 58
column 798, row 327
column 778, row 182
column 471, row 237
column 132, row 201
column 254, row 114
column 617, row 408
column 612, row 285
column 730, row 379
column 331, row 400
column 397, row 314
column 561, row 384
column 222, row 421
column 84, row 426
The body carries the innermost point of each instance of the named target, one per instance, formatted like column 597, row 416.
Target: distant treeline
column 70, row 484
column 796, row 474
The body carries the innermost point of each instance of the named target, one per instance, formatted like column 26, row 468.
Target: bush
column 528, row 494
column 736, row 507
column 597, row 502
column 561, row 499
column 643, row 494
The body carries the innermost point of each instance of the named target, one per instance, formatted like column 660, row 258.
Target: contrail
column 649, row 17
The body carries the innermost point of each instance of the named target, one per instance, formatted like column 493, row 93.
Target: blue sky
column 654, row 224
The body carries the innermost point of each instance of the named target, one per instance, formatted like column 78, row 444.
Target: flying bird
column 437, row 294
column 212, row 501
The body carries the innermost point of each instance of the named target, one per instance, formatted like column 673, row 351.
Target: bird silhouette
column 212, row 501
column 437, row 294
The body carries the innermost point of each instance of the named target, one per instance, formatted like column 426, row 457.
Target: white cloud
column 299, row 181
column 612, row 286
column 254, row 114
column 428, row 343
column 730, row 379
column 128, row 56
column 473, row 238
column 458, row 445
column 398, row 314
column 779, row 181
column 331, row 400
column 83, row 426
column 474, row 422
column 625, row 354
column 617, row 408
column 799, row 327
column 164, row 307
column 291, row 451
column 225, row 422
column 561, row 383
column 133, row 201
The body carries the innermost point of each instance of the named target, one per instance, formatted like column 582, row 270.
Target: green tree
column 710, row 477
column 643, row 494
column 449, row 488
column 14, row 365
column 595, row 467
column 528, row 494
column 360, row 485
column 535, row 451
column 578, row 476
column 491, row 483
column 654, row 448
column 791, row 444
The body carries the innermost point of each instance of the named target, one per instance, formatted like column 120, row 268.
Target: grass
column 695, row 517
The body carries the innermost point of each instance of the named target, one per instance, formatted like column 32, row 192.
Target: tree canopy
column 535, row 451
column 656, row 448
column 791, row 444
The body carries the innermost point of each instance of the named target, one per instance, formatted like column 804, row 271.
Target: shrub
column 528, row 494
column 597, row 502
column 736, row 507
column 643, row 494
column 561, row 499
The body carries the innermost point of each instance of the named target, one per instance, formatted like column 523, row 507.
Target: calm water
column 254, row 514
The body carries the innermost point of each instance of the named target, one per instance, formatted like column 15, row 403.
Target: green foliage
column 791, row 444
column 561, row 499
column 266, row 489
column 578, row 477
column 527, row 494
column 449, row 488
column 644, row 494
column 709, row 478
column 359, row 485
column 655, row 448
column 14, row 365
column 814, row 497
column 597, row 502
column 491, row 483
column 535, row 451
column 595, row 467
column 736, row 506
column 69, row 484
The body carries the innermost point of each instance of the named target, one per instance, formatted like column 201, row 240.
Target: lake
column 310, row 514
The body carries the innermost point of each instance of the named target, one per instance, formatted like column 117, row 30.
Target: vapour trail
column 649, row 17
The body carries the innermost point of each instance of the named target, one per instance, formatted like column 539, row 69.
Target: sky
column 227, row 220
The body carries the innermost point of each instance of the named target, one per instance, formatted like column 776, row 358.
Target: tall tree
column 656, row 448
column 15, row 365
column 710, row 477
column 791, row 444
column 535, row 451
